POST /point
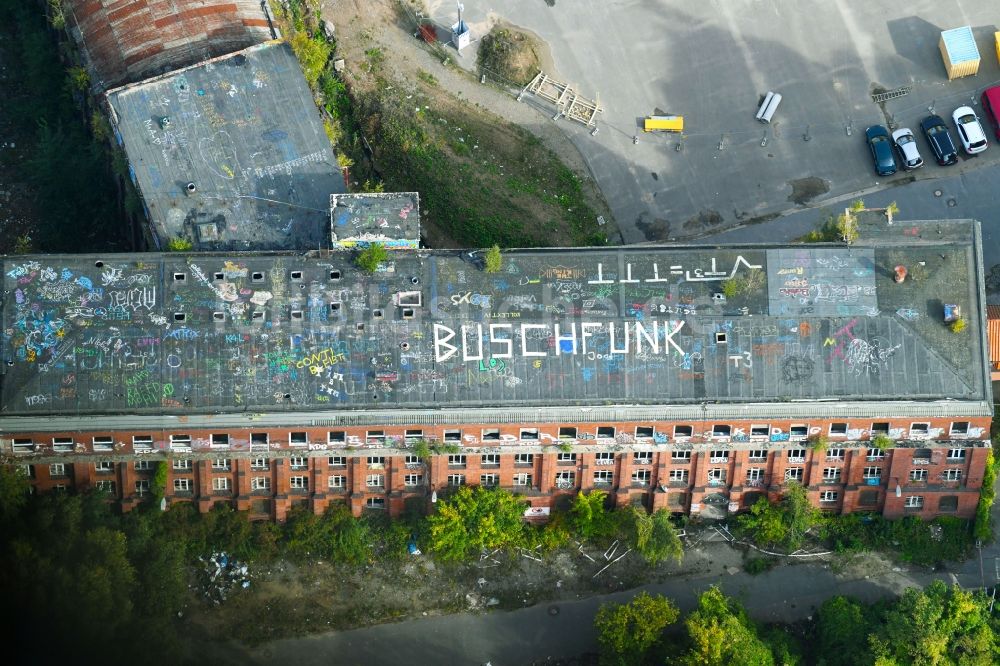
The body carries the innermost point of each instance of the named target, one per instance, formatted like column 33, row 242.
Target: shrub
column 758, row 565
column 179, row 244
column 372, row 257
column 819, row 443
column 883, row 441
column 983, row 528
column 494, row 260
column 312, row 53
column 958, row 325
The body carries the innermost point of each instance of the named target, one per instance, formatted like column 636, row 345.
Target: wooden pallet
column 568, row 101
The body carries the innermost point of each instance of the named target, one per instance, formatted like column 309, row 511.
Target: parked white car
column 906, row 144
column 970, row 132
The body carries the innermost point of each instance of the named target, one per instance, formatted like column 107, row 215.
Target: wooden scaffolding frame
column 568, row 101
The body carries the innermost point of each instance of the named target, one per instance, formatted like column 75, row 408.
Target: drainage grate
column 878, row 98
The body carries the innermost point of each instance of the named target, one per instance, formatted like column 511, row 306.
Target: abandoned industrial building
column 695, row 379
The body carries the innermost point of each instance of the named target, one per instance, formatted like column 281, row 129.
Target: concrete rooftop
column 218, row 333
column 244, row 131
column 390, row 218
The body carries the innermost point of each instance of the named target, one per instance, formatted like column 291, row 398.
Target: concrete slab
column 712, row 62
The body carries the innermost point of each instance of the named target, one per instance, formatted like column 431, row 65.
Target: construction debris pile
column 220, row 574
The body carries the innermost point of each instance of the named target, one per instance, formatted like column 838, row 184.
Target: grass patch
column 509, row 54
column 482, row 182
column 911, row 539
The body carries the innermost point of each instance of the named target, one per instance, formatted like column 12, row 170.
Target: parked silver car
column 906, row 144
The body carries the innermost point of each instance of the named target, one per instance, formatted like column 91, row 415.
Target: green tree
column 843, row 628
column 656, row 539
column 626, row 632
column 14, row 489
column 493, row 260
column 178, row 244
column 159, row 482
column 588, row 516
column 937, row 625
column 372, row 257
column 784, row 524
column 983, row 528
column 475, row 519
column 721, row 634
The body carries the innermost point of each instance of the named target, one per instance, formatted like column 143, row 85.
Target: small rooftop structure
column 124, row 42
column 993, row 335
column 230, row 153
column 390, row 218
column 959, row 52
column 750, row 332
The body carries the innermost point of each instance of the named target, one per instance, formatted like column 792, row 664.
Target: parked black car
column 939, row 139
column 881, row 147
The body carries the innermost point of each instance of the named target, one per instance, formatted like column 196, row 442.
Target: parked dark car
column 939, row 140
column 881, row 147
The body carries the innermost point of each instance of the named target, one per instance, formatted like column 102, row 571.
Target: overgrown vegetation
column 509, row 54
column 786, row 524
column 373, row 256
column 482, row 180
column 842, row 228
column 67, row 168
column 937, row 625
column 983, row 527
column 493, row 261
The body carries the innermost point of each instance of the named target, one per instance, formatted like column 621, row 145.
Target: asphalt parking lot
column 712, row 62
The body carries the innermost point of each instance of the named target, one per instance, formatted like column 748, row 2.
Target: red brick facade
column 702, row 468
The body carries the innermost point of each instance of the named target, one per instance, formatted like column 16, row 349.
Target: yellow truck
column 663, row 124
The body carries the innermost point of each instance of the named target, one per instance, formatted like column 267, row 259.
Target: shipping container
column 959, row 51
column 663, row 124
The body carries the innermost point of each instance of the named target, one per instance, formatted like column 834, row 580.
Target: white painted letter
column 571, row 337
column 443, row 342
column 669, row 337
column 586, row 334
column 654, row 340
column 623, row 350
column 501, row 341
column 524, row 340
column 479, row 339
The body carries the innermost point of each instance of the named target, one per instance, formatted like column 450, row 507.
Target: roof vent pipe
column 190, row 188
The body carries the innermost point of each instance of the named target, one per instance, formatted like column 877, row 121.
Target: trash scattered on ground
column 221, row 573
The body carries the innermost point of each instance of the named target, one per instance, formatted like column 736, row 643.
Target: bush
column 983, row 527
column 476, row 519
column 312, row 53
column 179, row 244
column 958, row 325
column 758, row 565
column 626, row 632
column 372, row 257
column 494, row 260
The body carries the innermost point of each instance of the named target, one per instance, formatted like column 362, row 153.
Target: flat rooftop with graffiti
column 216, row 333
column 231, row 153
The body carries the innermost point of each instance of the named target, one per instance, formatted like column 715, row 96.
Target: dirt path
column 362, row 25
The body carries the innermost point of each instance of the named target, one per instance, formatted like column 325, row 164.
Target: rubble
column 222, row 573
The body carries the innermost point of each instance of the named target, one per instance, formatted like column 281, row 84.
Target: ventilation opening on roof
column 296, row 276
column 180, row 316
column 720, row 338
column 180, row 277
column 296, row 314
column 359, row 327
column 190, row 187
column 719, row 296
column 257, row 276
column 407, row 313
column 412, row 299
column 404, row 345
column 377, row 314
column 414, row 280
column 99, row 264
column 220, row 276
column 219, row 316
column 334, row 275
column 257, row 315
column 334, row 308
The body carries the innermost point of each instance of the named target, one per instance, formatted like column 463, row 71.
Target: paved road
column 711, row 62
column 518, row 637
